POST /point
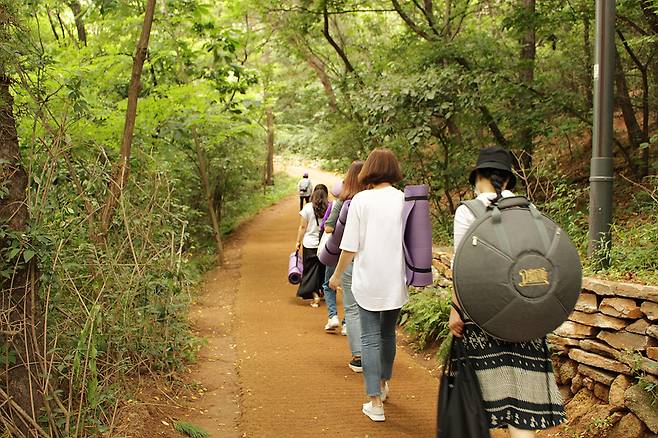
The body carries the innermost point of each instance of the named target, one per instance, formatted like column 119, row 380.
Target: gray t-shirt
column 335, row 212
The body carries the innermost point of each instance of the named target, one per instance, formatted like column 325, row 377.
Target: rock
column 650, row 310
column 597, row 361
column 617, row 397
column 637, row 362
column 596, row 422
column 568, row 371
column 580, row 405
column 652, row 331
column 627, row 341
column 612, row 288
column 565, row 392
column 561, row 344
column 601, row 391
column 576, row 384
column 628, row 427
column 587, row 303
column 620, row 308
column 639, row 402
column 574, row 330
column 598, row 347
column 588, row 383
column 652, row 353
column 600, row 376
column 639, row 327
column 598, row 320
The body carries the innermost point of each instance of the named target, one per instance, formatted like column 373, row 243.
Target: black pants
column 302, row 199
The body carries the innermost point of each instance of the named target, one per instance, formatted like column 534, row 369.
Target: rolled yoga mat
column 330, row 254
column 417, row 241
column 295, row 268
column 337, row 189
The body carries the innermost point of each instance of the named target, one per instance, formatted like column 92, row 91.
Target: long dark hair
column 352, row 185
column 498, row 179
column 319, row 198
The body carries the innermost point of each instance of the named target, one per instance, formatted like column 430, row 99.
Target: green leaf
column 28, row 254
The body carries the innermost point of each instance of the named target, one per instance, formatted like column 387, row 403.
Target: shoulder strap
column 476, row 207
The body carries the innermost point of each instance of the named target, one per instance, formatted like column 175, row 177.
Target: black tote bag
column 461, row 413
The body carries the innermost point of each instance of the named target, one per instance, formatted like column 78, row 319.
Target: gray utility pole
column 600, row 206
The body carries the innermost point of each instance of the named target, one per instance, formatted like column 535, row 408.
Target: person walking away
column 308, row 239
column 520, row 395
column 352, row 325
column 373, row 240
column 305, row 187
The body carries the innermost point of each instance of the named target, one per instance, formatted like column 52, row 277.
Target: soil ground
column 267, row 368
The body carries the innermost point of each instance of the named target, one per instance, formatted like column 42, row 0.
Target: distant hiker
column 373, row 239
column 305, row 187
column 308, row 238
column 352, row 324
column 518, row 386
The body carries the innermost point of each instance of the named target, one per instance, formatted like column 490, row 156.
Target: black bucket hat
column 494, row 157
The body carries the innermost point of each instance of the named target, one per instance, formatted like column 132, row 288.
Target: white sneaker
column 332, row 323
column 375, row 413
column 385, row 390
column 343, row 330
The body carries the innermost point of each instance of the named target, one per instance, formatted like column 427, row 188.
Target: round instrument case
column 516, row 274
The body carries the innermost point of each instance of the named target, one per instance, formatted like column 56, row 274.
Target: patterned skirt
column 517, row 381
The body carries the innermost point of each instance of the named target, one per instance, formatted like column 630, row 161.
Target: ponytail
column 498, row 178
column 320, row 200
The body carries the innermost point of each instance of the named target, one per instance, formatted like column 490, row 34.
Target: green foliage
column 190, row 430
column 426, row 315
column 651, row 387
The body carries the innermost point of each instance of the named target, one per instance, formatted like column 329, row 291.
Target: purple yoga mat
column 326, row 215
column 330, row 254
column 417, row 243
column 295, row 268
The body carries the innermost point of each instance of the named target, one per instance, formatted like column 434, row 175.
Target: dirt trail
column 294, row 377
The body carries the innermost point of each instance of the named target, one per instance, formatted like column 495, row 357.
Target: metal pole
column 600, row 207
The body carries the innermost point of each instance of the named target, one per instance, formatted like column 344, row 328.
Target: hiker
column 351, row 325
column 308, row 238
column 373, row 240
column 305, row 187
column 518, row 387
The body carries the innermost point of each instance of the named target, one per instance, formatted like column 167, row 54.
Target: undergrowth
column 425, row 316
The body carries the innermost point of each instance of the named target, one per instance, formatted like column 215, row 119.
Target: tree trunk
column 52, row 24
column 205, row 182
column 79, row 24
column 527, row 77
column 120, row 173
column 635, row 134
column 318, row 66
column 269, row 166
column 20, row 310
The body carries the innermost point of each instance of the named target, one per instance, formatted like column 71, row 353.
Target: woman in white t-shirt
column 308, row 238
column 373, row 239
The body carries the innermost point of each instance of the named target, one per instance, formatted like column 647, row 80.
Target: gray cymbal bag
column 516, row 274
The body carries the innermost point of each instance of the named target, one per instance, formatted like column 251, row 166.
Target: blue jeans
column 352, row 321
column 329, row 294
column 378, row 343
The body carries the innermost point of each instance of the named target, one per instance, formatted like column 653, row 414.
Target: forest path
column 294, row 377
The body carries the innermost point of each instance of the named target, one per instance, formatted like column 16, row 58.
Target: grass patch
column 190, row 430
column 250, row 204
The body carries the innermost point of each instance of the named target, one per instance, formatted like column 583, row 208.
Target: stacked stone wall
column 605, row 356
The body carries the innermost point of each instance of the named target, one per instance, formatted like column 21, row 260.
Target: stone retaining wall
column 608, row 343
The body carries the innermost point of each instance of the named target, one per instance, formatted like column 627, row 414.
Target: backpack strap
column 476, row 207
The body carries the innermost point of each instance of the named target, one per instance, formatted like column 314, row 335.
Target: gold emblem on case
column 533, row 277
